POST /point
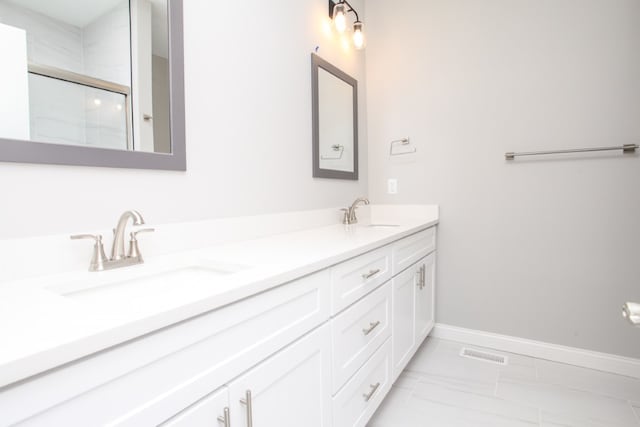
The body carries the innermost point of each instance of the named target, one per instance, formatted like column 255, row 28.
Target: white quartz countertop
column 51, row 320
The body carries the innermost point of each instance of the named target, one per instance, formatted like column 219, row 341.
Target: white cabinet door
column 403, row 335
column 290, row 389
column 150, row 379
column 424, row 302
column 210, row 411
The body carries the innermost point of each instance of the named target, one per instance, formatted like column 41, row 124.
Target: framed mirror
column 335, row 121
column 93, row 83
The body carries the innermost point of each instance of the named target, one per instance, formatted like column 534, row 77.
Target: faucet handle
column 96, row 237
column 99, row 258
column 144, row 230
column 353, row 219
column 345, row 218
column 134, row 249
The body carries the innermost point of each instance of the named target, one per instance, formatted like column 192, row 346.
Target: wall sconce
column 338, row 12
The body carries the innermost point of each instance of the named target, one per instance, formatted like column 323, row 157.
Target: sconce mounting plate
column 331, row 4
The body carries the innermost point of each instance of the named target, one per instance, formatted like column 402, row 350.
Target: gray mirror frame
column 37, row 152
column 317, row 62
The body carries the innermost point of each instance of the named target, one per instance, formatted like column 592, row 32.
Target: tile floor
column 441, row 389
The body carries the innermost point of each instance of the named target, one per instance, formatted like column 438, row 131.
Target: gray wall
column 546, row 249
column 248, row 128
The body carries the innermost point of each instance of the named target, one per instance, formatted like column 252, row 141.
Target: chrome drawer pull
column 371, row 327
column 374, row 388
column 370, row 274
column 421, row 276
column 226, row 419
column 249, row 404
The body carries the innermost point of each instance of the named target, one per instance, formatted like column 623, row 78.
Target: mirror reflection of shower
column 79, row 74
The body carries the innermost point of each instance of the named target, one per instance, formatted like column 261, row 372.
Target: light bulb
column 340, row 17
column 358, row 35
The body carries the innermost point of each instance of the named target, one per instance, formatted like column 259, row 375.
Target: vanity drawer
column 358, row 331
column 361, row 396
column 410, row 249
column 354, row 278
column 162, row 373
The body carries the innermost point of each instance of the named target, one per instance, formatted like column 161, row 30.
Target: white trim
column 558, row 353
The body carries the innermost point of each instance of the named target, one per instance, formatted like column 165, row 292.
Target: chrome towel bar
column 335, row 147
column 627, row 148
column 403, row 141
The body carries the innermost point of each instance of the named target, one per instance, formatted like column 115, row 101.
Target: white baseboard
column 574, row 356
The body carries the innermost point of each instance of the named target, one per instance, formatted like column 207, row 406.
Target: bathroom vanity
column 309, row 327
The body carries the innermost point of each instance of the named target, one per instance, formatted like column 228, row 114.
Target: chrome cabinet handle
column 372, row 326
column 374, row 388
column 370, row 274
column 422, row 276
column 249, row 406
column 225, row 419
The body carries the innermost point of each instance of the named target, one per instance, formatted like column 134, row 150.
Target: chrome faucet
column 99, row 260
column 117, row 250
column 350, row 213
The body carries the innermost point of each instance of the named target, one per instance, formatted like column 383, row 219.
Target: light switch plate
column 392, row 186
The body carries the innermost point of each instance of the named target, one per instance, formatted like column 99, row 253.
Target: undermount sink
column 163, row 284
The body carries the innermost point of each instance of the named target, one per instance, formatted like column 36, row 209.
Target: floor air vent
column 484, row 356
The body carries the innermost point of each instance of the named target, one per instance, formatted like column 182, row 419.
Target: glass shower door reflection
column 72, row 113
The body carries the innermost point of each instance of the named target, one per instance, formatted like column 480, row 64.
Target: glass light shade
column 358, row 35
column 340, row 17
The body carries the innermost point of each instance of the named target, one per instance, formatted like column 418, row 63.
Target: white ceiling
column 73, row 12
column 80, row 13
